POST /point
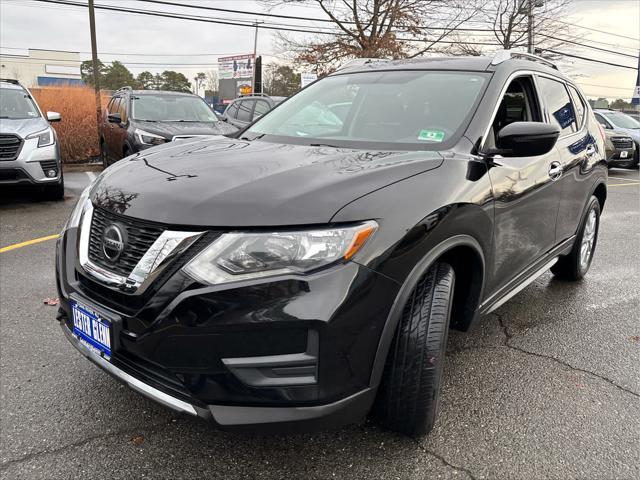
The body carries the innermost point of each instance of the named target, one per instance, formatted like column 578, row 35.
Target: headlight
column 239, row 256
column 76, row 213
column 149, row 138
column 45, row 137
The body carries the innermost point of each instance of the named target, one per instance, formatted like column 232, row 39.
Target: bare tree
column 375, row 29
column 507, row 24
column 212, row 81
column 199, row 81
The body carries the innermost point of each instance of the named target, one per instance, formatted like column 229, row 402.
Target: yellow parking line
column 28, row 242
column 624, row 184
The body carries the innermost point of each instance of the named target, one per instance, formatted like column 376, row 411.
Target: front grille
column 10, row 146
column 126, row 302
column 621, row 142
column 140, row 235
column 49, row 165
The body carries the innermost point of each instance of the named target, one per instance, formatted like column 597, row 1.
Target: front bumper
column 32, row 164
column 337, row 413
column 616, row 160
column 276, row 354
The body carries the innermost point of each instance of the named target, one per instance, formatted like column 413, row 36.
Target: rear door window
column 578, row 105
column 122, row 108
column 245, row 110
column 114, row 105
column 559, row 104
column 260, row 109
column 232, row 110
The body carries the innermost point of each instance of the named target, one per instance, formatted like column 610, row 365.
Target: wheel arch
column 457, row 250
column 600, row 192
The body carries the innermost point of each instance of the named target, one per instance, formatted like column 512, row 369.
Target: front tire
column 575, row 266
column 54, row 192
column 408, row 396
column 104, row 155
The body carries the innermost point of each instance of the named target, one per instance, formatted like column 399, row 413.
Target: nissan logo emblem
column 112, row 243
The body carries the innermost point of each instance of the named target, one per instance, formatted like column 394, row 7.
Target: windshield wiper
column 258, row 137
column 323, row 145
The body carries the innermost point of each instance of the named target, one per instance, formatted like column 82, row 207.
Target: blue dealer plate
column 91, row 329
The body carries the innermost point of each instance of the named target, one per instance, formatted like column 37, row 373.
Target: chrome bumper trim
column 141, row 387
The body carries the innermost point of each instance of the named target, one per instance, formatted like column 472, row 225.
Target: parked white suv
column 29, row 150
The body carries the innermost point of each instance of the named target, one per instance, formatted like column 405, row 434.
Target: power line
column 271, row 27
column 570, row 55
column 573, row 42
column 251, row 25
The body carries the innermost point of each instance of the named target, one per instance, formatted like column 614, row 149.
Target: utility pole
column 94, row 57
column 255, row 52
column 530, row 38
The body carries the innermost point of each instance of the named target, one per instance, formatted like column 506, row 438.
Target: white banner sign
column 307, row 78
column 238, row 66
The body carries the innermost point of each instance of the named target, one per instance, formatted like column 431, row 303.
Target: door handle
column 555, row 170
column 591, row 150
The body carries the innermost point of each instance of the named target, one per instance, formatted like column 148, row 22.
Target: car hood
column 171, row 129
column 23, row 126
column 632, row 132
column 233, row 183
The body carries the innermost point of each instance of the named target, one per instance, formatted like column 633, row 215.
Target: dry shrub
column 77, row 132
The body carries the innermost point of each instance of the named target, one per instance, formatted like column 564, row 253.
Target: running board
column 523, row 285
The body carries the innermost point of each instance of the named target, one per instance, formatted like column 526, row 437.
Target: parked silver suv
column 29, row 150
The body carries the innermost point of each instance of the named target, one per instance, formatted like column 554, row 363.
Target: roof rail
column 358, row 62
column 124, row 88
column 504, row 55
column 257, row 94
column 10, row 80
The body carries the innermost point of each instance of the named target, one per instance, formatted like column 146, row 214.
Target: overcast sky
column 164, row 43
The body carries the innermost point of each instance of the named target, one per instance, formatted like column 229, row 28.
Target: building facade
column 42, row 68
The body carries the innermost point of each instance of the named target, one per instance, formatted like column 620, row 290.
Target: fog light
column 51, row 173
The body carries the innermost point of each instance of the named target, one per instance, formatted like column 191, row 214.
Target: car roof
column 158, row 92
column 606, row 110
column 11, row 86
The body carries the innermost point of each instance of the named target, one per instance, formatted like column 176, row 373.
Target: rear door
column 577, row 148
column 526, row 194
column 120, row 129
column 112, row 147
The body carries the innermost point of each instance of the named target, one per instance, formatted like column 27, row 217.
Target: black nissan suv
column 306, row 272
column 135, row 120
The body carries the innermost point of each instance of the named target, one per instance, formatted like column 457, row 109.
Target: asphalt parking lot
column 548, row 387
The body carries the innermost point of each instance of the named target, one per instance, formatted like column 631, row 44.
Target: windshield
column 17, row 104
column 622, row 120
column 391, row 109
column 171, row 108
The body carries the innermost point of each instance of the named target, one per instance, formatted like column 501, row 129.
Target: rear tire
column 575, row 266
column 408, row 396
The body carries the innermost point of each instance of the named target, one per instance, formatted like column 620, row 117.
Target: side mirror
column 114, row 117
column 526, row 139
column 53, row 116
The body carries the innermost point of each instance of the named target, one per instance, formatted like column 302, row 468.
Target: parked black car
column 139, row 119
column 244, row 110
column 296, row 275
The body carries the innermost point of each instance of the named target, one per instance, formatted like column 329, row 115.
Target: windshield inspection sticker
column 431, row 135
